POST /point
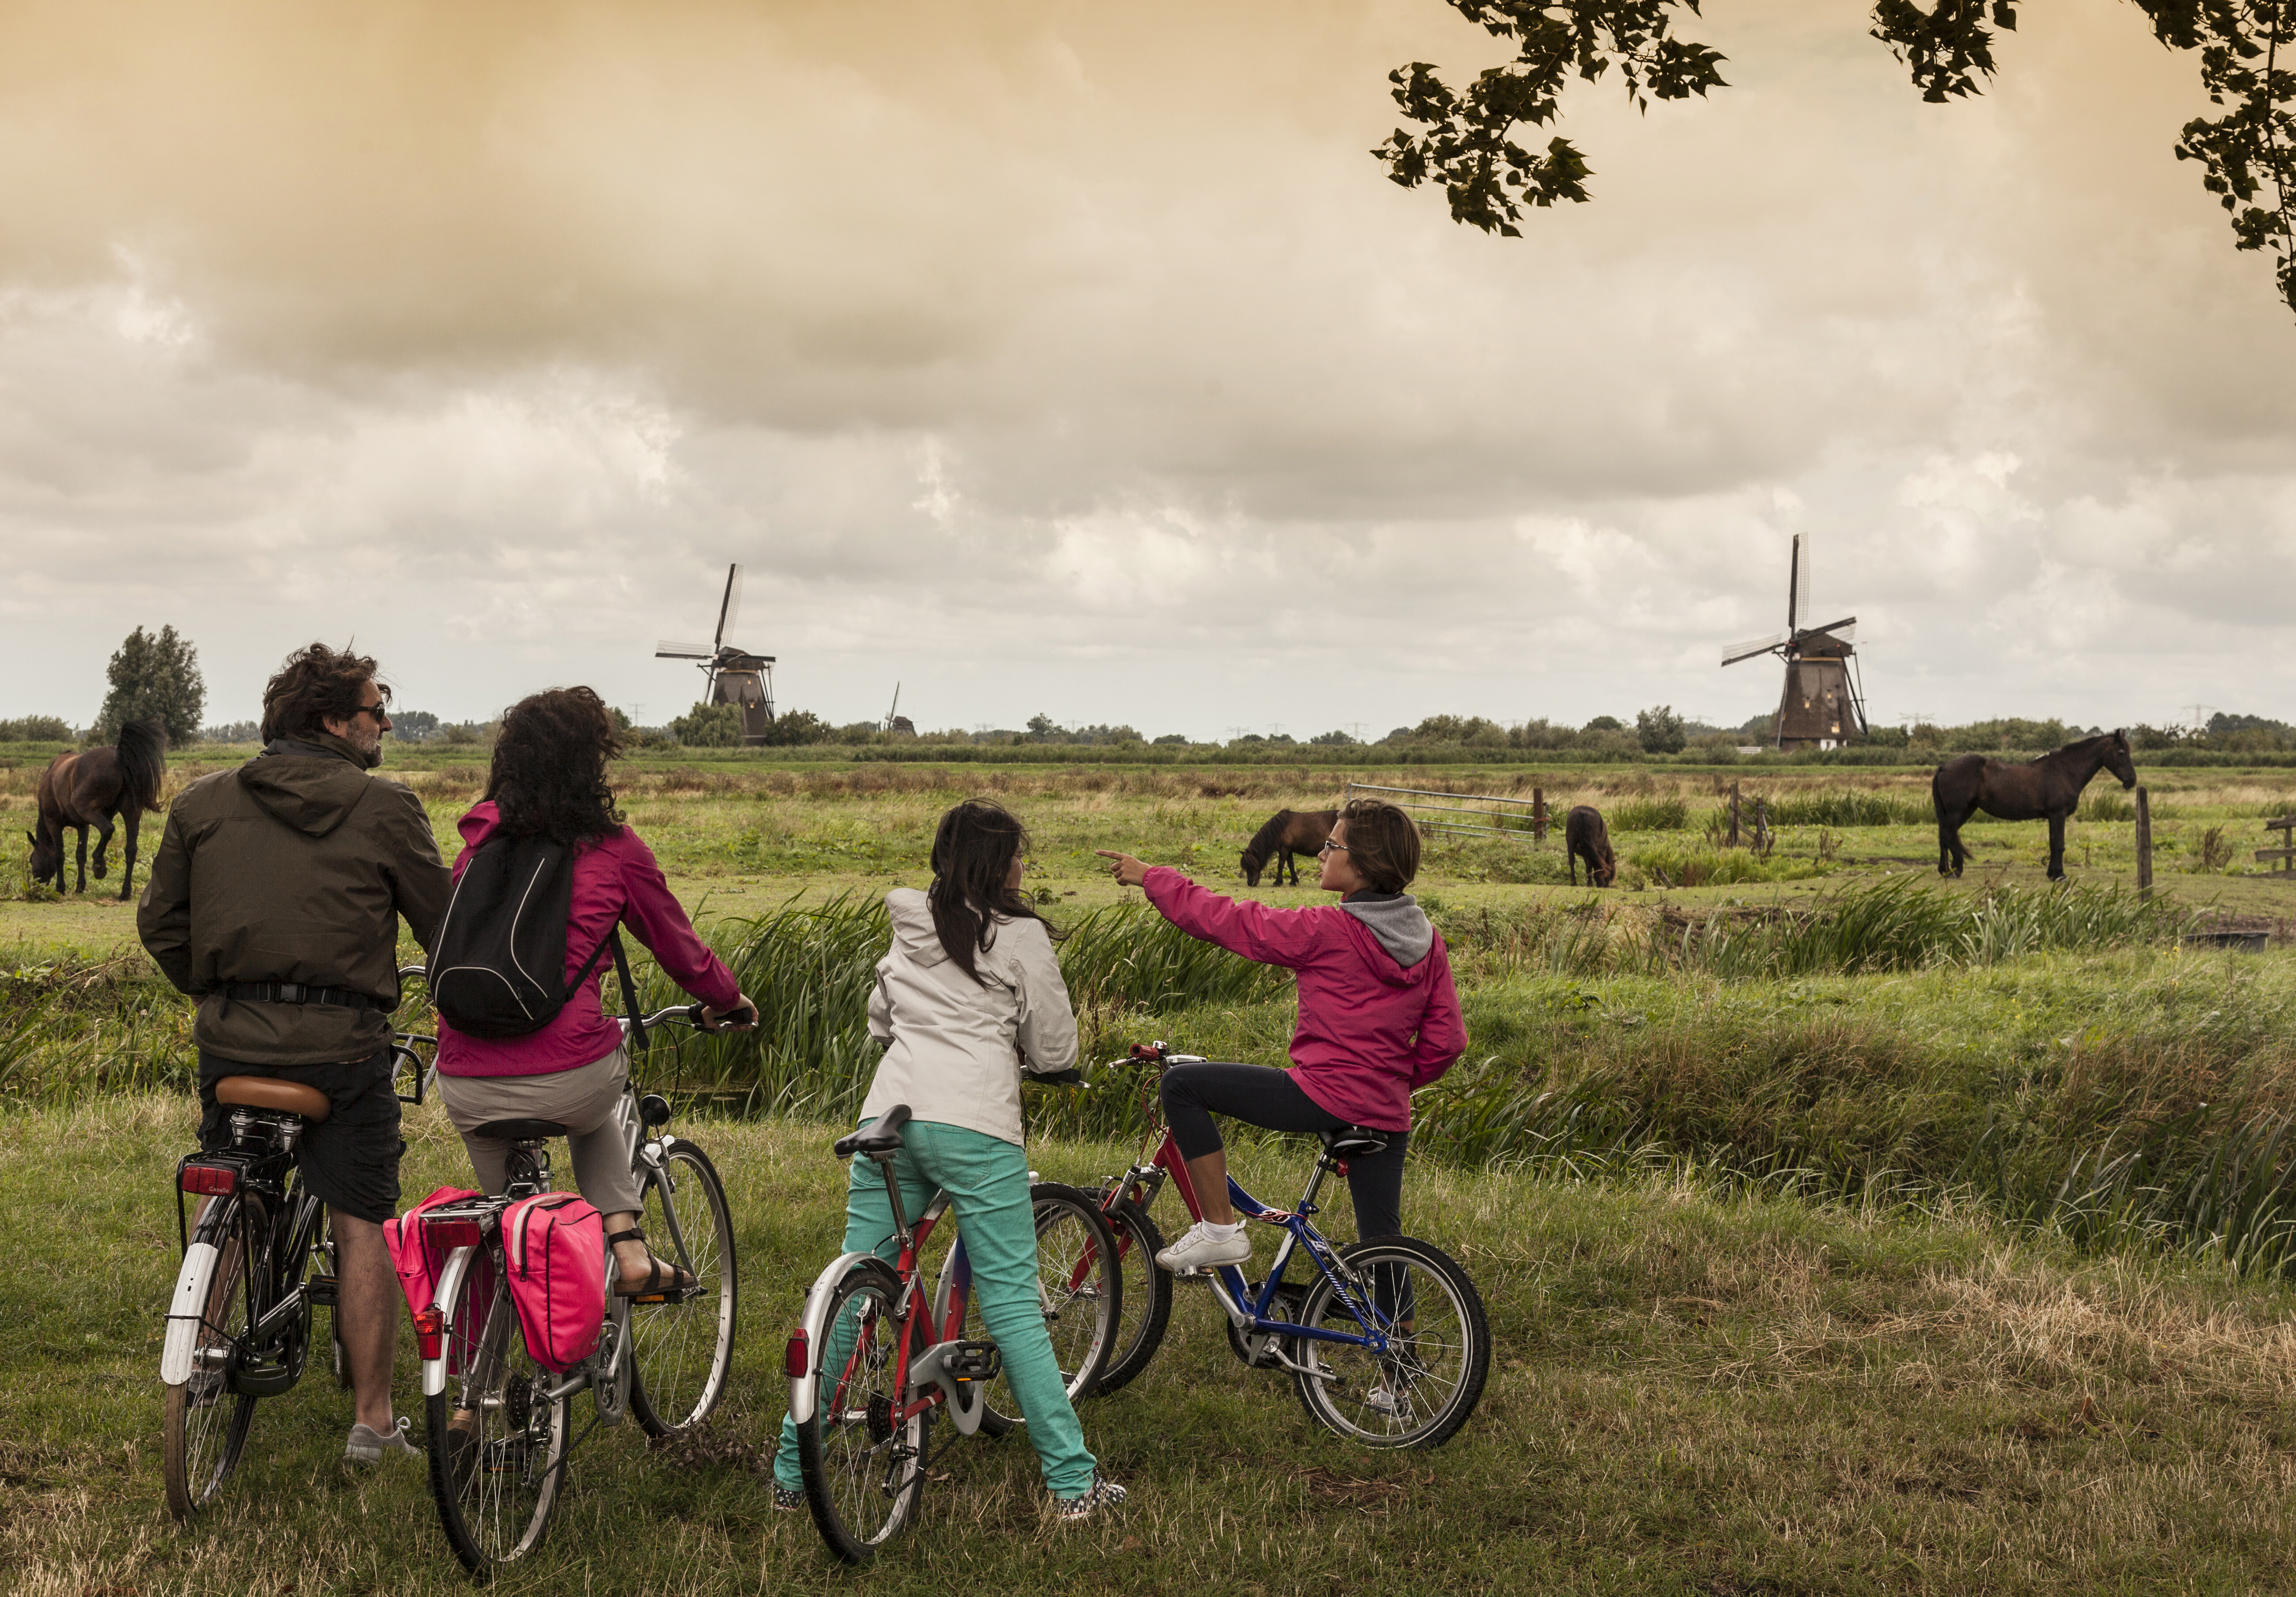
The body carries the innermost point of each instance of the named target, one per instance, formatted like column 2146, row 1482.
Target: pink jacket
column 615, row 879
column 1370, row 1030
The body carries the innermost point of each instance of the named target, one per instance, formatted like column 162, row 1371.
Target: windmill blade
column 1801, row 602
column 668, row 650
column 729, row 610
column 1844, row 631
column 1748, row 650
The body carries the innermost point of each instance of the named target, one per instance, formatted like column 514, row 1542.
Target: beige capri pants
column 588, row 1102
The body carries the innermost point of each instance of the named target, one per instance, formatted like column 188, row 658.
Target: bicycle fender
column 185, row 1311
column 813, row 1321
column 450, row 1284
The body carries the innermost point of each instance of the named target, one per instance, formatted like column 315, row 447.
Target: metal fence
column 1469, row 814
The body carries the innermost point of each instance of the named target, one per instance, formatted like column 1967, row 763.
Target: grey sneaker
column 1105, row 1493
column 369, row 1446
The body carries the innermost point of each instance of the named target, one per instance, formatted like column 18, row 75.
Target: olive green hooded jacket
column 293, row 867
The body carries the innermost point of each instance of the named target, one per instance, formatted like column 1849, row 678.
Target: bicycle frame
column 280, row 1292
column 1249, row 1310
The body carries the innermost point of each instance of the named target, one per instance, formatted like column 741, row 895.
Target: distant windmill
column 1821, row 705
column 734, row 676
column 896, row 723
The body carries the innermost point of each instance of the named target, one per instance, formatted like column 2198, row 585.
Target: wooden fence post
column 2143, row 843
column 2284, row 858
column 1734, row 816
column 1537, row 814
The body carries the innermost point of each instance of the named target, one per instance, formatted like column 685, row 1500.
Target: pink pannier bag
column 416, row 1262
column 554, row 1252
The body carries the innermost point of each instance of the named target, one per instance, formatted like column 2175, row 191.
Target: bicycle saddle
column 521, row 1130
column 1348, row 1141
column 269, row 1092
column 878, row 1140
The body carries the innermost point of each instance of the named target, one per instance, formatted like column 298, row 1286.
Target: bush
column 709, row 727
column 37, row 728
column 1659, row 730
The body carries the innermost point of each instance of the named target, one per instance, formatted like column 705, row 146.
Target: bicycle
column 495, row 1419
column 239, row 1324
column 892, row 1360
column 1388, row 1343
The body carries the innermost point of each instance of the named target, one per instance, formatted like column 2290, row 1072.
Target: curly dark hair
column 314, row 686
column 973, row 854
column 549, row 772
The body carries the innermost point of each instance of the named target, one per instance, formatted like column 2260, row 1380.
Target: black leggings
column 1259, row 1096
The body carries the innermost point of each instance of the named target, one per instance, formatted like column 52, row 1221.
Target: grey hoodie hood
column 913, row 932
column 1397, row 920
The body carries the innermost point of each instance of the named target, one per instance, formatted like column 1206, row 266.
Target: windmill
column 894, row 722
column 1821, row 705
column 734, row 676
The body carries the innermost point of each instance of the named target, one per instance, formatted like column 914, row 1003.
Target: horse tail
column 142, row 750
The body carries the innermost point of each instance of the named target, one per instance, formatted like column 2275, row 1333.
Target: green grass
column 1697, row 1389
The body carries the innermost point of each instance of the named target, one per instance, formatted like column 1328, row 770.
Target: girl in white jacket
column 969, row 999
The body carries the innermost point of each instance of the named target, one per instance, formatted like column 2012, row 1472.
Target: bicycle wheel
column 1079, row 1286
column 1145, row 1300
column 863, row 1470
column 497, row 1442
column 205, row 1422
column 683, row 1342
column 1432, row 1376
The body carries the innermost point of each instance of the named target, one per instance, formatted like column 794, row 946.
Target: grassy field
column 1698, row 1389
column 1843, row 1230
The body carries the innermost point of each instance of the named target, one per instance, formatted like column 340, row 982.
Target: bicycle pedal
column 976, row 1361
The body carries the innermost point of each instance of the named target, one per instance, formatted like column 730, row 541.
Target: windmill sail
column 1844, row 631
column 667, row 650
column 729, row 610
column 1752, row 647
column 1798, row 603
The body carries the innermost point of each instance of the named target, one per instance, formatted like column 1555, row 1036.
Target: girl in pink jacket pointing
column 1378, row 1017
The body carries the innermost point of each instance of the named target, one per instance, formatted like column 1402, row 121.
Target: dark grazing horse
column 2049, row 787
column 1585, row 837
column 1288, row 832
column 83, row 790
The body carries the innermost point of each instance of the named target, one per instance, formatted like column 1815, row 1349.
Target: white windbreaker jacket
column 957, row 1049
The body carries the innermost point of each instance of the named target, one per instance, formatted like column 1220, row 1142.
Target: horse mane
column 1265, row 841
column 142, row 750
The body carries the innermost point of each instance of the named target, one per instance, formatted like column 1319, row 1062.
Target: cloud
column 1081, row 359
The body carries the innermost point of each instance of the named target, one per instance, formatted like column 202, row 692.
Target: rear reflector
column 452, row 1233
column 798, row 1358
column 214, row 1181
column 429, row 1332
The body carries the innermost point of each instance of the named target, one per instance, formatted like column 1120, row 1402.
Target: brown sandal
column 660, row 1279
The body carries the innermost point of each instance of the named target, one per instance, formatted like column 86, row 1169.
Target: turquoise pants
column 988, row 1185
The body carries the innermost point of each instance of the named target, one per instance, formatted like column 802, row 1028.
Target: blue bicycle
column 1386, row 1340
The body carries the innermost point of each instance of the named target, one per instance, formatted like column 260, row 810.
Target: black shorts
column 350, row 1159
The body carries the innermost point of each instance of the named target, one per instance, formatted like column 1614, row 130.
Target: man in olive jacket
column 274, row 900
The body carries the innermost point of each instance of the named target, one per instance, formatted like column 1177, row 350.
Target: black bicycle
column 240, row 1325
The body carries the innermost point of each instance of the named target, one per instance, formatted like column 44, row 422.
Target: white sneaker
column 368, row 1446
column 1199, row 1249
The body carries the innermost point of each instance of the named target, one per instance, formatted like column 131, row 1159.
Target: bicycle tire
column 1146, row 1301
column 204, row 1423
column 496, row 1476
column 1083, row 1300
column 1432, row 1385
column 862, row 1473
column 682, row 1351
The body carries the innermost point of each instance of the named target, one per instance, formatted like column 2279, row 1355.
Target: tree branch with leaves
column 1465, row 140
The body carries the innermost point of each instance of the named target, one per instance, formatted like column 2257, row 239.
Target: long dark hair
column 972, row 852
column 549, row 772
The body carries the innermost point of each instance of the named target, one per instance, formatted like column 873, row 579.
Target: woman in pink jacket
column 1378, row 1017
column 549, row 780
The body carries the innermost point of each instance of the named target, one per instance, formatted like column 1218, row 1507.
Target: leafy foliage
column 1466, row 142
column 1659, row 729
column 35, row 728
column 155, row 675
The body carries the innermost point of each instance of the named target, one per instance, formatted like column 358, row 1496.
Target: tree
column 709, row 727
column 2247, row 155
column 1659, row 730
column 153, row 675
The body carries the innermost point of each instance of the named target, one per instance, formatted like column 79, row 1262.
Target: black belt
column 296, row 992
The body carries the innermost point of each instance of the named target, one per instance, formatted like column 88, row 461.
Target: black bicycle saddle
column 1348, row 1141
column 878, row 1140
column 521, row 1130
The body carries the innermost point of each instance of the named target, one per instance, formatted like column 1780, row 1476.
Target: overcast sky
column 1079, row 357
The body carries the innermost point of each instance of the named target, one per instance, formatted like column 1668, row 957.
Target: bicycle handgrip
column 1070, row 1077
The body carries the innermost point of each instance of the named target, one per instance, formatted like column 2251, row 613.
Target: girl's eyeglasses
column 1329, row 846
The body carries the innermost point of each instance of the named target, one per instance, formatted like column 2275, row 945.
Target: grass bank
column 1697, row 1389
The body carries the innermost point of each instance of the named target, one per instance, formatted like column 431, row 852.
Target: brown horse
column 83, row 790
column 1585, row 837
column 2049, row 787
column 1288, row 832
